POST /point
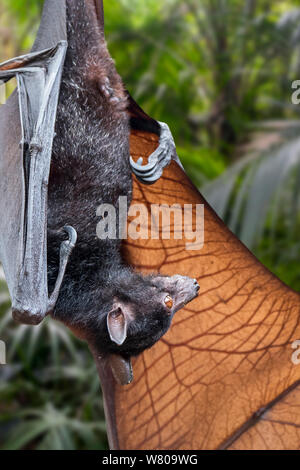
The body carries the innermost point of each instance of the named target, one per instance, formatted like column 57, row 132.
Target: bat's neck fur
column 90, row 161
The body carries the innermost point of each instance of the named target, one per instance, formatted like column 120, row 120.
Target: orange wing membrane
column 223, row 376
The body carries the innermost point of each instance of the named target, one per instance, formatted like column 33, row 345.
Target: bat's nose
column 196, row 285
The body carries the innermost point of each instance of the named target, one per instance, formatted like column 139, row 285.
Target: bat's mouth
column 188, row 292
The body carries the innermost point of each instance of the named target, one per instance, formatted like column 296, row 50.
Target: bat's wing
column 223, row 377
column 27, row 124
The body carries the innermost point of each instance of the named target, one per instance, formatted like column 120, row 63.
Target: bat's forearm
column 38, row 77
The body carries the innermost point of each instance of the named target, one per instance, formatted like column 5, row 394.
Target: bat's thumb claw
column 72, row 234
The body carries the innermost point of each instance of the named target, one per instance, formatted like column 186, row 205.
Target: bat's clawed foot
column 158, row 160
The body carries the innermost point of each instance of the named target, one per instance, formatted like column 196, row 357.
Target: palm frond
column 258, row 187
column 52, row 428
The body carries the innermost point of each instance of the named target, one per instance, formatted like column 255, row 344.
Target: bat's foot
column 158, row 160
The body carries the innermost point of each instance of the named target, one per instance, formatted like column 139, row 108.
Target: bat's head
column 129, row 314
column 142, row 310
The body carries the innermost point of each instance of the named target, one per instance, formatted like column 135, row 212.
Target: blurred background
column 220, row 73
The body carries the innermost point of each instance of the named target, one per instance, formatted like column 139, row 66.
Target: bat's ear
column 117, row 325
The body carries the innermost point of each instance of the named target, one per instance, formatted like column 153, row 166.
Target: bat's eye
column 168, row 302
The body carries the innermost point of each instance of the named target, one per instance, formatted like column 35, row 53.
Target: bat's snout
column 187, row 290
column 196, row 285
column 194, row 289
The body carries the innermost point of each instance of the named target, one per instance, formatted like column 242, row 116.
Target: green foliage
column 49, row 390
column 207, row 68
column 21, row 21
column 201, row 164
column 259, row 199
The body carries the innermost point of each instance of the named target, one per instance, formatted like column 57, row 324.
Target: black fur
column 90, row 166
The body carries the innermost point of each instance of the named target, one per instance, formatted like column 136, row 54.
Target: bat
column 75, row 159
column 223, row 376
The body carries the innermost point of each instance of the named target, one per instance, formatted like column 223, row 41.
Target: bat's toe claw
column 158, row 160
